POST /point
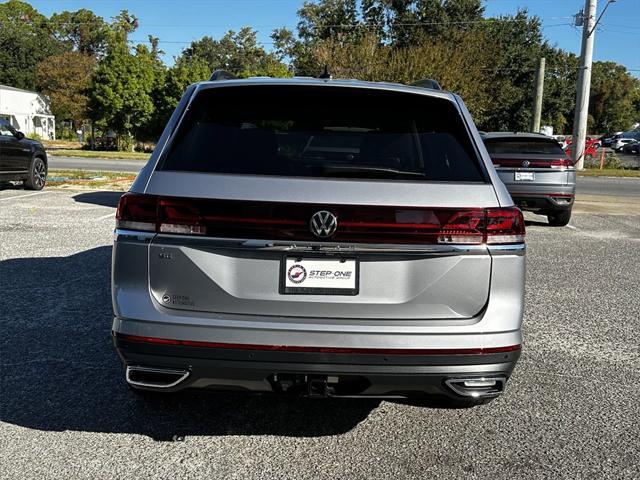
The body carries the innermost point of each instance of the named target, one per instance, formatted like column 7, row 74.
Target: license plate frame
column 524, row 176
column 311, row 263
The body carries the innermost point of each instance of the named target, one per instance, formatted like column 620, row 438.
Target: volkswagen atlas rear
column 319, row 237
column 539, row 175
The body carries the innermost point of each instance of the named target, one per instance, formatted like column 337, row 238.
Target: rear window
column 542, row 146
column 323, row 132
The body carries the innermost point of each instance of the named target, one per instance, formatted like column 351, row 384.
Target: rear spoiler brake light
column 356, row 223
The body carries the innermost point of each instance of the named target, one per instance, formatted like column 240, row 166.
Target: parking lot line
column 27, row 195
column 108, row 215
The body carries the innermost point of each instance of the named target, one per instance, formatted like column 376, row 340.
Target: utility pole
column 584, row 83
column 537, row 101
column 589, row 23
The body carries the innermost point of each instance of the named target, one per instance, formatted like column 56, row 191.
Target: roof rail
column 221, row 75
column 427, row 83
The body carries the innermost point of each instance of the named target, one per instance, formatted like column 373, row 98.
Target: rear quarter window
column 334, row 132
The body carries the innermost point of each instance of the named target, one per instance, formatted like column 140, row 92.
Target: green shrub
column 611, row 161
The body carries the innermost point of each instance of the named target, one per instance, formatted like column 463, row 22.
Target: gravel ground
column 570, row 411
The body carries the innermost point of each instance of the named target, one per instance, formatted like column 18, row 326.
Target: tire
column 37, row 175
column 559, row 218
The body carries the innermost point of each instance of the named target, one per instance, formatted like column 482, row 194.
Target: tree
column 397, row 23
column 336, row 19
column 82, row 30
column 182, row 74
column 613, row 96
column 238, row 53
column 25, row 40
column 408, row 20
column 457, row 69
column 150, row 60
column 65, row 78
column 120, row 94
column 518, row 47
column 559, row 89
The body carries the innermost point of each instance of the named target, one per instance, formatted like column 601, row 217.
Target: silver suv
column 319, row 237
column 537, row 172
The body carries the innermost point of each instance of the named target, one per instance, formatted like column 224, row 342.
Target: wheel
column 37, row 175
column 559, row 218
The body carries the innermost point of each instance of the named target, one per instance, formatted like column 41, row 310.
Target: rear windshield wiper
column 349, row 170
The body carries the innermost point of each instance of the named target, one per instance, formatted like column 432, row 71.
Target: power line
column 347, row 25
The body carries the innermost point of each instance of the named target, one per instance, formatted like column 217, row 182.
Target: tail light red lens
column 504, row 225
column 565, row 162
column 137, row 212
column 284, row 221
column 180, row 216
column 562, row 163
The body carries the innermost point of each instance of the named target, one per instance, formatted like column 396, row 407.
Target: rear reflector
column 296, row 348
column 290, row 221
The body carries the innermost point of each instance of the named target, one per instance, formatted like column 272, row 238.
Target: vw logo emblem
column 525, row 163
column 323, row 224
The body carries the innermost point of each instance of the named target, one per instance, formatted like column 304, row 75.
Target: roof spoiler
column 221, row 75
column 427, row 83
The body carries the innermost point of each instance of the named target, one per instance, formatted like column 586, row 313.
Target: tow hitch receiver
column 318, row 387
column 304, row 385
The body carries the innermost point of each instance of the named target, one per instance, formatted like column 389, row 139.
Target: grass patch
column 61, row 144
column 100, row 154
column 609, row 172
column 84, row 179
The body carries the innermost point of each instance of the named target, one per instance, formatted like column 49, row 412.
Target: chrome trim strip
column 310, row 246
column 183, row 375
column 121, row 234
column 518, row 249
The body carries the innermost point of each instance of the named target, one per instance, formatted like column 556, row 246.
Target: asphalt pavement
column 618, row 186
column 571, row 408
column 95, row 164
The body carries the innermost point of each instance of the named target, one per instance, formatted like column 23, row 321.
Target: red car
column 591, row 147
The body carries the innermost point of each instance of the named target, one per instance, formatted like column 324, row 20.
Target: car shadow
column 535, row 223
column 102, row 198
column 11, row 186
column 59, row 370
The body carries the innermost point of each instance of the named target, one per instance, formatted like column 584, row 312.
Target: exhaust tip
column 159, row 378
column 477, row 387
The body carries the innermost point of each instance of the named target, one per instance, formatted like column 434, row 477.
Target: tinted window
column 5, row 129
column 323, row 132
column 520, row 145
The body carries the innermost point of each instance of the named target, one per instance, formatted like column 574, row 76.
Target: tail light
column 504, row 225
column 137, row 212
column 565, row 162
column 287, row 221
column 561, row 163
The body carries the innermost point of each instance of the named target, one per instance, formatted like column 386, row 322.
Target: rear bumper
column 343, row 374
column 543, row 201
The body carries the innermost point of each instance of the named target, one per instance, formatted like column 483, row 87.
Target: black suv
column 21, row 158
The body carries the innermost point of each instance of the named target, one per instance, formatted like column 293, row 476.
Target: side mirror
column 19, row 135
